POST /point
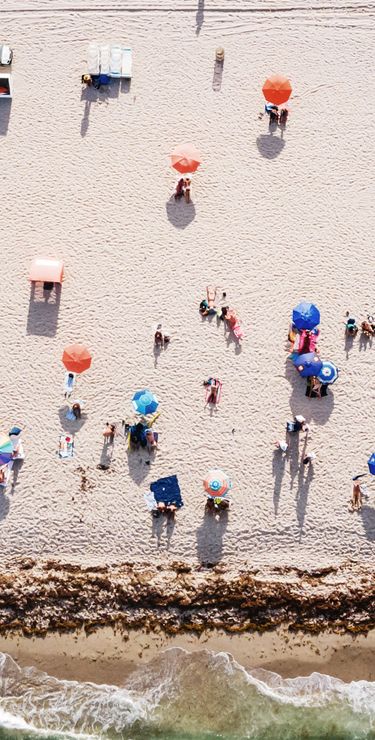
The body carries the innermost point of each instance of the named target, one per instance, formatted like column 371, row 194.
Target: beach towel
column 167, row 491
column 66, row 446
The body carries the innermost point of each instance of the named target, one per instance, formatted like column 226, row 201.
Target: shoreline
column 38, row 597
column 110, row 656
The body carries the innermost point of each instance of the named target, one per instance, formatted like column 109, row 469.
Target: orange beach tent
column 277, row 89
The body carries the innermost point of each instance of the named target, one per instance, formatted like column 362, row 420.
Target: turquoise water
column 185, row 696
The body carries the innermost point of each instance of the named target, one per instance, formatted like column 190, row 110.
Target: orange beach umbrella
column 185, row 158
column 277, row 89
column 76, row 358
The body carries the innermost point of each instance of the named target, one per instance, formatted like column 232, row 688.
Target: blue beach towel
column 167, row 491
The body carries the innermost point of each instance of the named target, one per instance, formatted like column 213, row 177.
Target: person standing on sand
column 309, row 458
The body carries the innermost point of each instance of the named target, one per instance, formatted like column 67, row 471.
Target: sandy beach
column 273, row 220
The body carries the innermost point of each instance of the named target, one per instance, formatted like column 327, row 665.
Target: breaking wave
column 185, row 696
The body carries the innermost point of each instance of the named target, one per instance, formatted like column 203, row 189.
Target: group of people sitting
column 207, row 307
column 218, row 504
column 161, row 339
column 141, row 435
column 367, row 326
column 307, row 342
column 17, row 454
column 275, row 116
column 183, row 188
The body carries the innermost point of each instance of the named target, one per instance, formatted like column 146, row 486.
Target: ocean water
column 185, row 696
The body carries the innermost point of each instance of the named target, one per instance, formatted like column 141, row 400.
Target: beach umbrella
column 308, row 364
column 216, row 483
column 6, row 449
column 371, row 464
column 185, row 158
column 328, row 373
column 144, row 402
column 76, row 358
column 277, row 89
column 306, row 316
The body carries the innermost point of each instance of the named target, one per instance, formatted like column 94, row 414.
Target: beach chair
column 115, row 63
column 66, row 446
column 126, row 67
column 93, row 59
column 105, row 59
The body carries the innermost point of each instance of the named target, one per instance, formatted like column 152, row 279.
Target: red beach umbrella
column 277, row 89
column 185, row 158
column 76, row 358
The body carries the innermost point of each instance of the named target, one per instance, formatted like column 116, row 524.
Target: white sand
column 272, row 222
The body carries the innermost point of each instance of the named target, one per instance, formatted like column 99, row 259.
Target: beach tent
column 185, row 158
column 277, row 89
column 167, row 491
column 46, row 271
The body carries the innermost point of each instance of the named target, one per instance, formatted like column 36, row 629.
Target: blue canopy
column 310, row 363
column 306, row 316
column 371, row 464
column 167, row 491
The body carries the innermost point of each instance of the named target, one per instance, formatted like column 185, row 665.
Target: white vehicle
column 6, row 55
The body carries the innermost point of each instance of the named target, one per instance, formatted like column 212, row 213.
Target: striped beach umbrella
column 144, row 402
column 6, row 449
column 216, row 483
column 328, row 373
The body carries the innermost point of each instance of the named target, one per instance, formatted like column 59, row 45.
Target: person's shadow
column 303, row 491
column 278, row 470
column 139, row 467
column 368, row 520
column 199, row 18
column 179, row 213
column 293, row 455
column 163, row 524
column 364, row 341
column 269, row 146
column 4, row 505
column 210, row 537
column 70, row 425
column 17, row 467
column 5, row 109
column 218, row 75
column 106, row 456
column 349, row 339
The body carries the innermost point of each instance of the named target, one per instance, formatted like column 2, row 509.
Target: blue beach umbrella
column 371, row 464
column 306, row 316
column 308, row 364
column 328, row 373
column 144, row 402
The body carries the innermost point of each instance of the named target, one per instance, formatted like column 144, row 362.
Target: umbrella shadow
column 278, row 470
column 139, row 468
column 199, row 18
column 368, row 519
column 179, row 213
column 318, row 409
column 210, row 537
column 269, row 146
column 218, row 75
column 43, row 315
column 16, row 469
column 69, row 425
column 304, row 482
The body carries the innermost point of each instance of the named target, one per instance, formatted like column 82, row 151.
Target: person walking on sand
column 356, row 499
column 298, row 425
column 109, row 433
column 281, row 445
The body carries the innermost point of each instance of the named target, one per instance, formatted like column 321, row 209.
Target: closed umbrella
column 277, row 89
column 308, row 364
column 144, row 402
column 306, row 316
column 6, row 449
column 76, row 358
column 216, row 483
column 328, row 373
column 185, row 158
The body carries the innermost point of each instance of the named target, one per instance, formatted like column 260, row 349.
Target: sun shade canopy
column 46, row 270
